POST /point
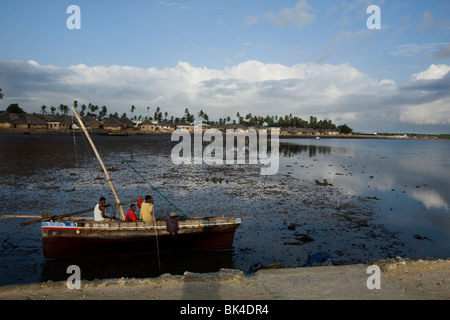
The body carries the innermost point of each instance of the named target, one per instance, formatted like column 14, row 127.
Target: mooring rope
column 140, row 175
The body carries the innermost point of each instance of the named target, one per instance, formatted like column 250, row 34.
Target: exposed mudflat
column 356, row 200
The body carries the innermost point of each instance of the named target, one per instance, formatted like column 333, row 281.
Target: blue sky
column 225, row 56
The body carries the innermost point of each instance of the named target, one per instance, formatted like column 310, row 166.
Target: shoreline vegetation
column 20, row 122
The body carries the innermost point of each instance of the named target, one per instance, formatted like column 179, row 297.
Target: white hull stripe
column 105, row 226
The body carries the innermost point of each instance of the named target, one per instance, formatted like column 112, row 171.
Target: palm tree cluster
column 286, row 121
column 249, row 119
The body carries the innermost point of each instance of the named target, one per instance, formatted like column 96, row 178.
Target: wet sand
column 400, row 280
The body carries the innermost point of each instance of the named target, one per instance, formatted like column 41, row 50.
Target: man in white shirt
column 99, row 211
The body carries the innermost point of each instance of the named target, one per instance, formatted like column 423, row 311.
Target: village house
column 127, row 122
column 205, row 127
column 256, row 127
column 184, row 126
column 273, row 128
column 191, row 128
column 137, row 121
column 147, row 126
column 113, row 124
column 218, row 127
column 165, row 127
column 29, row 121
column 307, row 131
column 58, row 122
column 90, row 122
column 236, row 127
column 6, row 119
column 290, row 131
column 327, row 132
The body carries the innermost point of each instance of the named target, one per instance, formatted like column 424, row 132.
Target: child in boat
column 131, row 214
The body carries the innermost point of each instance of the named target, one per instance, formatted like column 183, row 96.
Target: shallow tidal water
column 356, row 199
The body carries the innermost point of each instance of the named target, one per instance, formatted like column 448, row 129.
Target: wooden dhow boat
column 66, row 237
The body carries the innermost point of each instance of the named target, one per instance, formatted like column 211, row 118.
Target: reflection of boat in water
column 139, row 266
column 81, row 238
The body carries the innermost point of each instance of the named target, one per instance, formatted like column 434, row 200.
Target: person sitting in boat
column 172, row 223
column 147, row 209
column 172, row 229
column 131, row 214
column 99, row 211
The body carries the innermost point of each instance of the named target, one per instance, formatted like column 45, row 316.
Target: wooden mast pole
column 122, row 214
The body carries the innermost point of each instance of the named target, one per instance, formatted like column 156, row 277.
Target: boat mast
column 122, row 214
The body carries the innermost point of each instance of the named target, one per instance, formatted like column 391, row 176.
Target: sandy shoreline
column 400, row 280
column 282, row 135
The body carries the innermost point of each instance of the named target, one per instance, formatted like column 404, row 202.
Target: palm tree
column 132, row 110
column 64, row 109
column 103, row 112
column 93, row 108
column 201, row 114
column 83, row 110
column 43, row 109
column 158, row 114
column 1, row 94
column 312, row 122
column 189, row 117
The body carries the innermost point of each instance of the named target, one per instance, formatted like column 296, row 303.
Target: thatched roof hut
column 6, row 119
column 29, row 121
column 113, row 124
column 236, row 127
column 58, row 122
column 127, row 122
column 90, row 122
column 147, row 125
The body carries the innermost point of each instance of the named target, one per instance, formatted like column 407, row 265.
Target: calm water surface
column 381, row 199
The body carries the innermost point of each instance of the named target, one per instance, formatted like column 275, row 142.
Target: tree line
column 248, row 120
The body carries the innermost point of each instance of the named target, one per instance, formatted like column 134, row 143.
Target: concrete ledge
column 400, row 279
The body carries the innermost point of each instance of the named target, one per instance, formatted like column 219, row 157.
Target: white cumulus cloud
column 433, row 72
column 341, row 93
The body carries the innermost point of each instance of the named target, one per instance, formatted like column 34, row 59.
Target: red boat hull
column 67, row 242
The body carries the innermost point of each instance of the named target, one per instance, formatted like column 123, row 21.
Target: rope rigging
column 140, row 175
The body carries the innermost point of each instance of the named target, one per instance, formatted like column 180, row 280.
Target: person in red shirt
column 131, row 214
